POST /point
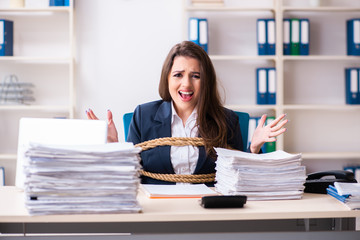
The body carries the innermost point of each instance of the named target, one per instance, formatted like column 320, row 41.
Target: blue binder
column 271, row 85
column 67, row 3
column 353, row 37
column 193, row 33
column 6, row 37
column 261, row 34
column 304, row 36
column 261, row 85
column 203, row 33
column 56, row 3
column 352, row 85
column 271, row 36
column 286, row 36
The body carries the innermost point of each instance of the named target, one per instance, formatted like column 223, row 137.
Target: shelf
column 240, row 57
column 55, row 108
column 8, row 156
column 331, row 155
column 252, row 107
column 30, row 59
column 322, row 9
column 34, row 10
column 322, row 58
column 321, row 107
column 227, row 9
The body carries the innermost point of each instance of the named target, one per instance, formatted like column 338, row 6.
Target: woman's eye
column 178, row 75
column 196, row 76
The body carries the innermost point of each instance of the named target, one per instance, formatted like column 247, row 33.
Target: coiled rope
column 176, row 141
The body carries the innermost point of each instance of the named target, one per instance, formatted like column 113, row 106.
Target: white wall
column 121, row 46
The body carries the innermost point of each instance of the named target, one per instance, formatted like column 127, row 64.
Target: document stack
column 347, row 193
column 269, row 176
column 82, row 179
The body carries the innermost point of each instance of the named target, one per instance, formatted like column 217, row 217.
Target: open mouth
column 186, row 95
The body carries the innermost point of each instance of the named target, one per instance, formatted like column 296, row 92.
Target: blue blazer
column 153, row 120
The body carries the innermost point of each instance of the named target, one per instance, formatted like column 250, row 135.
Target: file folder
column 203, row 33
column 6, row 37
column 194, row 30
column 353, row 37
column 271, row 36
column 295, row 38
column 261, row 36
column 261, row 77
column 352, row 85
column 286, row 36
column 304, row 36
column 271, row 83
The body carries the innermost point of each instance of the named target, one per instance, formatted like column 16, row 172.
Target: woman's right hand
column 112, row 135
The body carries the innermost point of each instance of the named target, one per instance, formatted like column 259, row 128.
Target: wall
column 121, row 46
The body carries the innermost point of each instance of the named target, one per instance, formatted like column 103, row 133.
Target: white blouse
column 184, row 158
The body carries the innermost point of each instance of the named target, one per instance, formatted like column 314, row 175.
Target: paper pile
column 82, row 179
column 269, row 176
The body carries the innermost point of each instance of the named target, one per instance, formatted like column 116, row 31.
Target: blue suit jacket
column 153, row 120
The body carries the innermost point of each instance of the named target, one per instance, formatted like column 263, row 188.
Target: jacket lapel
column 162, row 129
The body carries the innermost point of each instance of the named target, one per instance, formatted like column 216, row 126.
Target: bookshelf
column 310, row 89
column 44, row 54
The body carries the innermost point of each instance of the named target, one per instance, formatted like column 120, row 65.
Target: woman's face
column 184, row 84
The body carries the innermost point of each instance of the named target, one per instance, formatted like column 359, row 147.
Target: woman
column 190, row 107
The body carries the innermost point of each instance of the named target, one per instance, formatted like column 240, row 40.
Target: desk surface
column 12, row 210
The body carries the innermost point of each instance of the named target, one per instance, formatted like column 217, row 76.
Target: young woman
column 190, row 107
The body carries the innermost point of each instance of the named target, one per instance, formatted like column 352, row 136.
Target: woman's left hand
column 267, row 133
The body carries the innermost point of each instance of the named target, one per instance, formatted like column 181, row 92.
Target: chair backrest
column 243, row 120
column 127, row 119
column 244, row 127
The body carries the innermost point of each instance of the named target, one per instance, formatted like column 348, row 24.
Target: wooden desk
column 180, row 215
column 12, row 210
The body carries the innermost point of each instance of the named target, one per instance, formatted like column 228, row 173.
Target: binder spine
column 295, row 38
column 286, row 36
column 271, row 36
column 271, row 83
column 203, row 34
column 6, row 37
column 56, row 3
column 261, row 80
column 261, row 37
column 352, row 85
column 304, row 36
column 270, row 146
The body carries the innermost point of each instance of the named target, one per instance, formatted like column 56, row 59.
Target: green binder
column 270, row 146
column 295, row 37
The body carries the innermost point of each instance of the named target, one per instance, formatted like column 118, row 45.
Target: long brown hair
column 211, row 119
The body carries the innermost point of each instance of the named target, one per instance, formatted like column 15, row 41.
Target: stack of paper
column 348, row 193
column 82, row 179
column 275, row 175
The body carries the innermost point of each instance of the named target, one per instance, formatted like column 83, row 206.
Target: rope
column 175, row 141
column 170, row 141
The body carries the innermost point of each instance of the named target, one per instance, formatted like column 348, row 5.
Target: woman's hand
column 267, row 133
column 112, row 135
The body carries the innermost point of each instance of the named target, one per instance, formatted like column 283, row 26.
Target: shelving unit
column 44, row 54
column 310, row 89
